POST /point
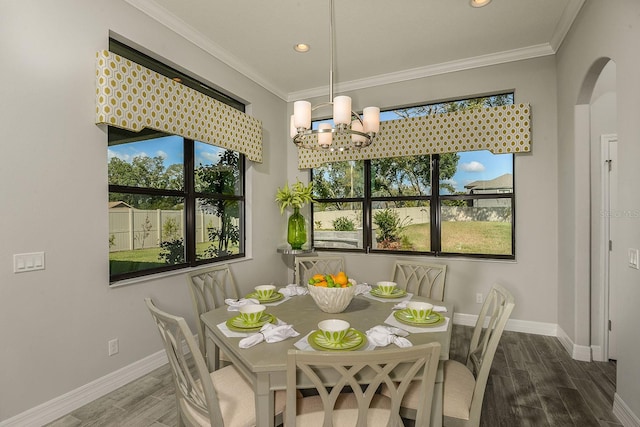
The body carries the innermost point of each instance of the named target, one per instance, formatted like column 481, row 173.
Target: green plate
column 237, row 324
column 397, row 293
column 354, row 340
column 404, row 316
column 276, row 296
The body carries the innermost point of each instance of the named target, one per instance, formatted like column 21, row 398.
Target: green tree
column 146, row 172
column 338, row 180
column 221, row 179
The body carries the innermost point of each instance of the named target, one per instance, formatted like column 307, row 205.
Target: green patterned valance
column 132, row 97
column 504, row 129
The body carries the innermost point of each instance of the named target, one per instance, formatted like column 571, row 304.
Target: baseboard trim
column 526, row 326
column 577, row 352
column 624, row 413
column 68, row 402
column 597, row 354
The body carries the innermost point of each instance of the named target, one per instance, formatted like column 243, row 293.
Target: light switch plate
column 28, row 262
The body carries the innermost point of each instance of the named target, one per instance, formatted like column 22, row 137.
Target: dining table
column 264, row 364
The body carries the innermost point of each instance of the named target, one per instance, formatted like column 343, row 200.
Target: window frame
column 188, row 192
column 435, row 200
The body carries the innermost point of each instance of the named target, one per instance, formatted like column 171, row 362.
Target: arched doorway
column 600, row 121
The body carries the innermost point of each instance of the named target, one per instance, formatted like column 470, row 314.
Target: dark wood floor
column 533, row 382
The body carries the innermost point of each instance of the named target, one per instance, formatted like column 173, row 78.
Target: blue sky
column 168, row 147
column 480, row 165
column 473, row 165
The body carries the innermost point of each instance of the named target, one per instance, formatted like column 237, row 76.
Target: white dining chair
column 427, row 280
column 219, row 398
column 209, row 288
column 306, row 267
column 464, row 384
column 346, row 384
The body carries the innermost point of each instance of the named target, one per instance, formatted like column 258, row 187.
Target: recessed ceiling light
column 479, row 3
column 301, row 47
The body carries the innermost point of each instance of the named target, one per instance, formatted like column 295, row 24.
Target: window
column 441, row 204
column 173, row 202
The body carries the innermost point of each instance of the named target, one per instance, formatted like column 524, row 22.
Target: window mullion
column 436, row 232
column 367, row 209
column 190, row 202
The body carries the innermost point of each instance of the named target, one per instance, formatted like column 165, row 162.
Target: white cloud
column 472, row 167
column 162, row 154
column 124, row 157
column 209, row 156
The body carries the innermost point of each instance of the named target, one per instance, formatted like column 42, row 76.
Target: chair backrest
column 362, row 373
column 422, row 279
column 209, row 288
column 489, row 327
column 306, row 267
column 194, row 388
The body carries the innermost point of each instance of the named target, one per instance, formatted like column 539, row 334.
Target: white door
column 609, row 204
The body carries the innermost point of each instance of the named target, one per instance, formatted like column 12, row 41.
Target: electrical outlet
column 113, row 347
column 479, row 298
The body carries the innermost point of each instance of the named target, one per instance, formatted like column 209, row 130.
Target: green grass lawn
column 480, row 237
column 142, row 259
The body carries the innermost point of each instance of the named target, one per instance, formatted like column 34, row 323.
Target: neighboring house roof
column 119, row 204
column 501, row 182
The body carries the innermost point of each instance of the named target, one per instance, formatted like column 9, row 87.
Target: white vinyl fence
column 420, row 215
column 138, row 229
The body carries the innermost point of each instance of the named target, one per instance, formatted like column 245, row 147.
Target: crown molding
column 431, row 70
column 161, row 15
column 183, row 29
column 564, row 25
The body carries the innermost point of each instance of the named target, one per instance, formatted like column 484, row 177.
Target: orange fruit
column 341, row 279
column 318, row 277
column 322, row 284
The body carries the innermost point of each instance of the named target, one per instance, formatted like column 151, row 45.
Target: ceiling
column 376, row 42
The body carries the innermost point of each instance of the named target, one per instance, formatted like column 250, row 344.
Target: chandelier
column 351, row 129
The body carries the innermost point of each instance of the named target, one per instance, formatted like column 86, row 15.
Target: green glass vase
column 297, row 230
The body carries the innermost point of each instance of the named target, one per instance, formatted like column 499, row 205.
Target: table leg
column 264, row 401
column 213, row 354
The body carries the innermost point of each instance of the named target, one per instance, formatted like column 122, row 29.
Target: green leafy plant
column 295, row 196
column 343, row 224
column 390, row 228
column 172, row 252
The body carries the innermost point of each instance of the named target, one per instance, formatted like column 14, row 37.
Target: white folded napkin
column 235, row 304
column 384, row 335
column 293, row 290
column 402, row 305
column 362, row 288
column 270, row 333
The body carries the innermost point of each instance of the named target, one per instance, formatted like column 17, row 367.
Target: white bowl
column 265, row 291
column 251, row 313
column 332, row 300
column 386, row 288
column 419, row 310
column 334, row 330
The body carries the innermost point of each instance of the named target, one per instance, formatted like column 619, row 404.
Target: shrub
column 390, row 227
column 172, row 252
column 343, row 224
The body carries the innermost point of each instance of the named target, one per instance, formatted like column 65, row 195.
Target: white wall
column 55, row 323
column 604, row 29
column 532, row 277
